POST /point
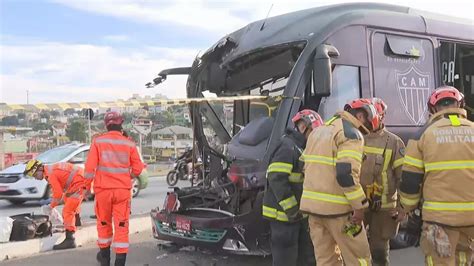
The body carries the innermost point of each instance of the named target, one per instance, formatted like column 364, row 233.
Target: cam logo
column 414, row 90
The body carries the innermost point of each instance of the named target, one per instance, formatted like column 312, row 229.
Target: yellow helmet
column 31, row 167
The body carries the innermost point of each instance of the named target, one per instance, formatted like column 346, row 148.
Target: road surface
column 147, row 251
column 149, row 198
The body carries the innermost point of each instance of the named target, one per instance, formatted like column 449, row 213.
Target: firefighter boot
column 379, row 257
column 69, row 242
column 120, row 259
column 78, row 220
column 103, row 256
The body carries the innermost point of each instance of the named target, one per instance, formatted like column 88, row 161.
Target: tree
column 40, row 126
column 69, row 111
column 55, row 113
column 45, row 114
column 10, row 121
column 127, row 118
column 21, row 115
column 134, row 136
column 169, row 118
column 77, row 132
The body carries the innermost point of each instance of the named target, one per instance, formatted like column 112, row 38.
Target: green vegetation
column 77, row 131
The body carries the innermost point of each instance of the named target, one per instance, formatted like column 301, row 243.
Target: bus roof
column 308, row 24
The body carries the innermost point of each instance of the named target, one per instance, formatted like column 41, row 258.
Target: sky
column 97, row 50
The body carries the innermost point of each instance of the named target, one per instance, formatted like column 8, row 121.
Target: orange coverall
column 66, row 180
column 112, row 162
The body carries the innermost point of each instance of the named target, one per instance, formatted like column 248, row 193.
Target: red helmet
column 445, row 92
column 380, row 106
column 309, row 117
column 369, row 107
column 113, row 118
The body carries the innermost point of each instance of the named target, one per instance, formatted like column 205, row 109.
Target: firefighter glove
column 351, row 229
column 375, row 203
column 374, row 195
column 439, row 240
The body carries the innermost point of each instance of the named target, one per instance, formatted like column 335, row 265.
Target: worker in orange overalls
column 67, row 182
column 112, row 162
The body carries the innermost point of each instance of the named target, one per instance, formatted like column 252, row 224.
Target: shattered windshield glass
column 261, row 73
column 266, row 107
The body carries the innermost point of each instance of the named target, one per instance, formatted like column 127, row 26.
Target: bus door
column 457, row 69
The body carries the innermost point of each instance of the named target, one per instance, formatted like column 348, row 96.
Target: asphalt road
column 147, row 251
column 149, row 198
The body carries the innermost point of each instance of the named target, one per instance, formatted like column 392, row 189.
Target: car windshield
column 55, row 155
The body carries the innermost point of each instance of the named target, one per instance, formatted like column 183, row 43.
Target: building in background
column 172, row 141
column 59, row 129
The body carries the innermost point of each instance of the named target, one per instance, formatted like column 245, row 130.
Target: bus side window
column 345, row 87
column 457, row 69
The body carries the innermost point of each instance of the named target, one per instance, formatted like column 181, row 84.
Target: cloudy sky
column 91, row 50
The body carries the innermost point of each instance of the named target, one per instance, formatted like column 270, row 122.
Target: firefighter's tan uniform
column 464, row 252
column 380, row 177
column 331, row 190
column 439, row 167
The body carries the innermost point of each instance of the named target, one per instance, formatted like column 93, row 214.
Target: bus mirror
column 322, row 69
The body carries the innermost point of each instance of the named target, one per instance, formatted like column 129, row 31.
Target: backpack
column 29, row 225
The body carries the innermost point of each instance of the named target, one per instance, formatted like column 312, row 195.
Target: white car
column 17, row 188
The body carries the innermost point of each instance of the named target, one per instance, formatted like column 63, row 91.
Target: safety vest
column 333, row 158
column 441, row 162
column 112, row 161
column 382, row 164
column 64, row 178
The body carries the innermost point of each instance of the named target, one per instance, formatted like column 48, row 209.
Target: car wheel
column 17, row 202
column 135, row 187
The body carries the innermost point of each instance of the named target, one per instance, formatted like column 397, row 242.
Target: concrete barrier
column 85, row 234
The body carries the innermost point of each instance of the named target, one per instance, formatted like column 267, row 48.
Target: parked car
column 17, row 188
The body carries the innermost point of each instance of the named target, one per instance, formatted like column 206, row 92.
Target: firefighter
column 380, row 177
column 438, row 170
column 112, row 162
column 332, row 195
column 67, row 183
column 291, row 243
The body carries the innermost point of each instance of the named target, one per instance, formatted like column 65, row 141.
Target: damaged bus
column 318, row 58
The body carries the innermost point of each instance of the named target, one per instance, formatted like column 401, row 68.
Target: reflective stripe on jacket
column 112, row 161
column 333, row 157
column 441, row 163
column 63, row 178
column 284, row 179
column 383, row 160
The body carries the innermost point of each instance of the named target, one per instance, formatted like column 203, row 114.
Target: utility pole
column 27, row 102
column 140, row 138
column 89, row 115
column 175, row 139
column 90, row 132
column 2, row 153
